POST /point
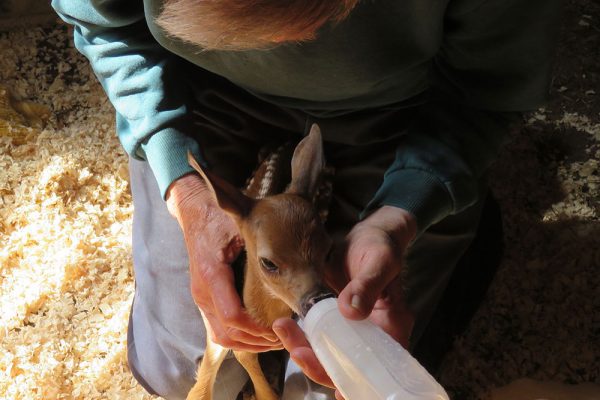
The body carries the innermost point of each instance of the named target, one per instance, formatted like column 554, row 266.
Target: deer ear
column 229, row 198
column 308, row 162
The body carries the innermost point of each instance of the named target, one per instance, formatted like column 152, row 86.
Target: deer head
column 286, row 243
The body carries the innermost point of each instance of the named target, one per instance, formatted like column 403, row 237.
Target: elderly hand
column 366, row 272
column 213, row 243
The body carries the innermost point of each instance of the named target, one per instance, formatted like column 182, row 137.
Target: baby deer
column 286, row 247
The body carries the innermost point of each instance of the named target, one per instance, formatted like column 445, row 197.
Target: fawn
column 286, row 248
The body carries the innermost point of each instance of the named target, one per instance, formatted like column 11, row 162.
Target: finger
column 242, row 346
column 227, row 336
column 300, row 350
column 392, row 314
column 338, row 395
column 396, row 321
column 218, row 335
column 228, row 308
column 290, row 333
column 219, row 298
column 250, row 348
column 238, row 335
column 357, row 299
column 307, row 360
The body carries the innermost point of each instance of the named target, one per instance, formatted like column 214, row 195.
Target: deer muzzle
column 313, row 297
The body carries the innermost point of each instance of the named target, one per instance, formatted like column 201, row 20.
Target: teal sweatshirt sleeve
column 138, row 76
column 495, row 61
column 441, row 160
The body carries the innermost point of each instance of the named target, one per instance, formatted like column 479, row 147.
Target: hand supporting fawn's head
column 286, row 243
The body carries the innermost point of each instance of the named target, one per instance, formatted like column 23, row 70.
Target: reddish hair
column 249, row 24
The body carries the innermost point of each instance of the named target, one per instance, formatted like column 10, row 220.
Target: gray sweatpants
column 166, row 336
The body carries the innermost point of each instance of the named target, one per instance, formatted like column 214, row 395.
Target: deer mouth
column 312, row 298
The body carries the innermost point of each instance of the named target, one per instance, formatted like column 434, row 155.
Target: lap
column 166, row 328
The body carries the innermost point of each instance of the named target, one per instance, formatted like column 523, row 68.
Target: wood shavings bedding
column 65, row 225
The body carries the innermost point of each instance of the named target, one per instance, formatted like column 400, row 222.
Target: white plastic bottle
column 363, row 361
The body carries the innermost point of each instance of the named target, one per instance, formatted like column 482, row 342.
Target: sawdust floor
column 65, row 224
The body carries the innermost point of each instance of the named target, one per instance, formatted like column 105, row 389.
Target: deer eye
column 268, row 265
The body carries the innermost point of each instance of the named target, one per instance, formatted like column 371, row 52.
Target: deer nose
column 312, row 297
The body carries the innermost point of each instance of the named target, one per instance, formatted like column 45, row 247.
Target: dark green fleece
column 483, row 59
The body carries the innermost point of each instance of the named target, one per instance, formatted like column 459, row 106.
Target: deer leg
column 207, row 371
column 262, row 388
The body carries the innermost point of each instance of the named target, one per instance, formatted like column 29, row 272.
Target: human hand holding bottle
column 366, row 273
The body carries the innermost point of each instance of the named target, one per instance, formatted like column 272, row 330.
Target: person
column 414, row 99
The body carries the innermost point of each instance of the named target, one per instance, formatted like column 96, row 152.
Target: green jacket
column 483, row 59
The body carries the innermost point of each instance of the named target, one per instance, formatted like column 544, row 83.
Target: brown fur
column 249, row 24
column 285, row 229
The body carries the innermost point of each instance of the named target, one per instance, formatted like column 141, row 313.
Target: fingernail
column 282, row 333
column 355, row 302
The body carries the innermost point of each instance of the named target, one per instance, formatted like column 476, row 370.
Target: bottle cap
column 310, row 299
